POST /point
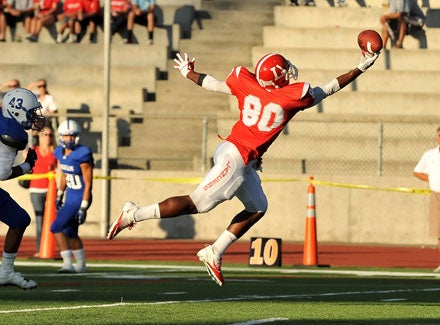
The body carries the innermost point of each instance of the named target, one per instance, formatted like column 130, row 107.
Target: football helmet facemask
column 69, row 127
column 274, row 71
column 23, row 106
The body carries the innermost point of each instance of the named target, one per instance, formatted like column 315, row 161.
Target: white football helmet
column 69, row 127
column 274, row 71
column 23, row 106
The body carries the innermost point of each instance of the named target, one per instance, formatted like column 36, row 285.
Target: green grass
column 184, row 294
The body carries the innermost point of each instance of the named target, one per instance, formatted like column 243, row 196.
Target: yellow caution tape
column 197, row 180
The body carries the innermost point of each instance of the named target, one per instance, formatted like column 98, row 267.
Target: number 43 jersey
column 70, row 165
column 263, row 112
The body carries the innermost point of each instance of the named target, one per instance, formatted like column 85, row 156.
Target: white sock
column 222, row 243
column 8, row 262
column 149, row 212
column 67, row 259
column 80, row 258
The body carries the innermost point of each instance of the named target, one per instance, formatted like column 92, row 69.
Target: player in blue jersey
column 75, row 187
column 20, row 111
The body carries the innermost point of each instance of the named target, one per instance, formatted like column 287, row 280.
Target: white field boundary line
column 246, row 270
column 243, row 298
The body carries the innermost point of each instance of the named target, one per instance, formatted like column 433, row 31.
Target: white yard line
column 244, row 269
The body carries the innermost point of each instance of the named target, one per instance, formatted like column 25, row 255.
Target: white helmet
column 69, row 127
column 23, row 106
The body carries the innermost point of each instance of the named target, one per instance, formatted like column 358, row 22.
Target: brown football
column 370, row 41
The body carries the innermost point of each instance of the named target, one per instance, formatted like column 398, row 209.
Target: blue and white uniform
column 11, row 213
column 70, row 166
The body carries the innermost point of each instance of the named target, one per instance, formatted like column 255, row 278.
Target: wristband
column 84, row 204
column 202, row 76
column 25, row 167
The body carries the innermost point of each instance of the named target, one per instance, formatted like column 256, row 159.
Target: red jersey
column 43, row 165
column 91, row 6
column 120, row 5
column 72, row 6
column 46, row 5
column 263, row 113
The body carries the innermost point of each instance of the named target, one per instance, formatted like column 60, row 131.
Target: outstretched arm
column 186, row 68
column 343, row 80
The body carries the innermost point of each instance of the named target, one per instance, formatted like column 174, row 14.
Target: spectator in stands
column 404, row 16
column 45, row 14
column 2, row 22
column 19, row 11
column 49, row 107
column 119, row 14
column 11, row 84
column 69, row 19
column 46, row 162
column 142, row 13
column 92, row 18
column 428, row 170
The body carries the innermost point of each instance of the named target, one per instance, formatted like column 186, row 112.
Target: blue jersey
column 70, row 165
column 143, row 4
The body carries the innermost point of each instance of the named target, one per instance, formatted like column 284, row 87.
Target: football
column 370, row 41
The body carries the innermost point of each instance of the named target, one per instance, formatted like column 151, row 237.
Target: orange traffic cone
column 310, row 256
column 47, row 245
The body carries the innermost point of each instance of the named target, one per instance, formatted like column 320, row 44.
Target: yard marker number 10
column 265, row 252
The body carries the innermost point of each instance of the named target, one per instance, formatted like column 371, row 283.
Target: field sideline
column 161, row 282
column 182, row 293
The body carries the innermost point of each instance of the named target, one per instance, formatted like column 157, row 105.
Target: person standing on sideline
column 428, row 170
column 76, row 163
column 38, row 187
column 267, row 101
column 20, row 112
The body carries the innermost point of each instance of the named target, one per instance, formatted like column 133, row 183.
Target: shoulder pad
column 12, row 142
column 12, row 134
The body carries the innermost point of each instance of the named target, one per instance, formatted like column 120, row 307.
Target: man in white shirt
column 428, row 170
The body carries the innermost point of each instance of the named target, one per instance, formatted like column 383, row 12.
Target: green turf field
column 151, row 293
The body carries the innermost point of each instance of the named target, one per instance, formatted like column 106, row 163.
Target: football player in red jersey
column 267, row 101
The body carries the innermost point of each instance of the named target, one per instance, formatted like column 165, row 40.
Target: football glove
column 184, row 65
column 367, row 60
column 81, row 215
column 59, row 202
column 31, row 157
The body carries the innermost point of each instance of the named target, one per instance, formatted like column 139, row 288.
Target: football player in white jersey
column 21, row 111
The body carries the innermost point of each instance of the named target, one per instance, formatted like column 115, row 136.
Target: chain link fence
column 313, row 144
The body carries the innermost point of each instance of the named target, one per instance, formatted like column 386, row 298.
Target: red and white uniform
column 72, row 6
column 263, row 114
column 90, row 6
column 120, row 5
column 46, row 5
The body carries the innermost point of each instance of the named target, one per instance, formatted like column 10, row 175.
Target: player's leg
column 219, row 184
column 61, row 231
column 17, row 219
column 77, row 247
column 253, row 198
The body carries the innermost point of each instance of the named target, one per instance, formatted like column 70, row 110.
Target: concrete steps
column 216, row 52
column 345, row 59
